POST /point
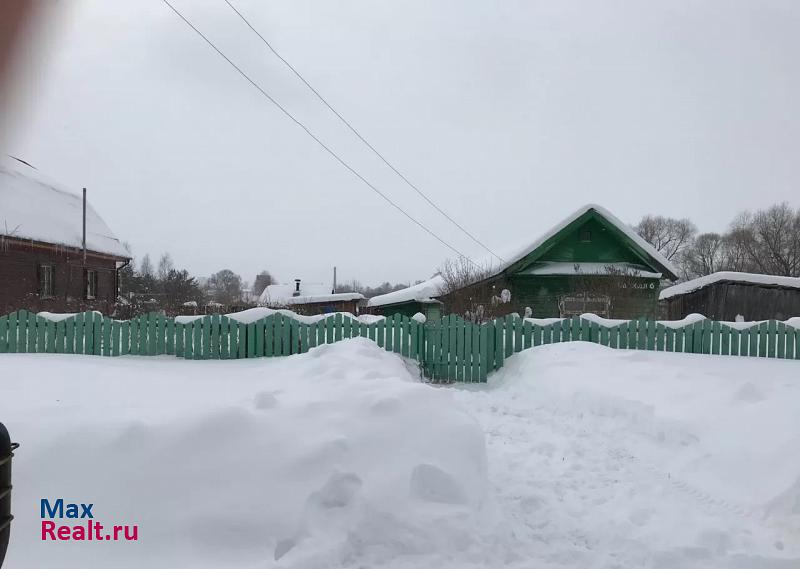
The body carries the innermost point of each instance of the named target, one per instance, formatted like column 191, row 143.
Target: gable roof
column 729, row 276
column 550, row 238
column 33, row 207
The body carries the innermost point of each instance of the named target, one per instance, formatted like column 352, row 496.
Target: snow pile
column 425, row 291
column 616, row 458
column 319, row 459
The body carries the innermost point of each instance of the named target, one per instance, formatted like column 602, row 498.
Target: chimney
column 334, row 281
column 296, row 287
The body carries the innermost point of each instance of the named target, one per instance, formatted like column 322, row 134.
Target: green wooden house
column 589, row 262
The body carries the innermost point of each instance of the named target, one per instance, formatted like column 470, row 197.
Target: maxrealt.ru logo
column 87, row 530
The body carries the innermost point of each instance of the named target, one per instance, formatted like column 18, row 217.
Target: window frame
column 90, row 284
column 42, row 269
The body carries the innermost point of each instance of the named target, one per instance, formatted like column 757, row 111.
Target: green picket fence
column 449, row 350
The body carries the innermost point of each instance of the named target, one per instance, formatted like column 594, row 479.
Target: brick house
column 42, row 266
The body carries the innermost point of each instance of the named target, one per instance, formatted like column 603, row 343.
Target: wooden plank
column 198, row 329
column 125, row 338
column 269, row 336
column 527, row 334
column 169, row 336
column 22, row 331
column 286, row 335
column 661, row 332
column 223, row 326
column 188, row 340
column 115, row 333
column 517, row 324
column 537, row 334
column 499, row 347
column 337, row 326
column 205, row 337
column 12, row 333
column 347, row 326
column 61, row 337
column 134, row 337
column 294, row 336
column 484, row 351
column 622, row 335
column 88, row 334
column 752, row 335
column 771, row 337
column 724, row 340
column 251, row 339
column 575, row 329
column 790, row 355
column 669, row 339
column 453, row 361
column 144, row 327
column 780, row 338
column 466, row 357
column 734, row 343
column 398, row 323
column 107, row 326
column 98, row 334
column 161, row 334
column 33, row 332
column 259, row 326
column 405, row 336
column 3, row 334
column 707, row 336
column 763, row 339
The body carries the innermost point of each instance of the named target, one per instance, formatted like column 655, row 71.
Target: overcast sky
column 508, row 114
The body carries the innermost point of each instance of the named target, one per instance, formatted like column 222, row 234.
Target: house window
column 586, row 235
column 46, row 281
column 91, row 283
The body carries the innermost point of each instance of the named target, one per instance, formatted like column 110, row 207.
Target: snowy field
column 573, row 456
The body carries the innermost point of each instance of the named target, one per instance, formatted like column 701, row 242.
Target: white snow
column 747, row 278
column 259, row 312
column 277, row 295
column 33, row 207
column 425, row 291
column 553, row 268
column 573, row 456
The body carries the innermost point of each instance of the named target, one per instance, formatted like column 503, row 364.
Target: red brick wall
column 19, row 279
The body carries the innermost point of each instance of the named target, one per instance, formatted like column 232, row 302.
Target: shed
column 726, row 295
column 42, row 267
column 420, row 297
column 310, row 298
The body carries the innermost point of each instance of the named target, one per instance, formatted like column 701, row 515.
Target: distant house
column 419, row 298
column 589, row 262
column 310, row 298
column 727, row 295
column 42, row 266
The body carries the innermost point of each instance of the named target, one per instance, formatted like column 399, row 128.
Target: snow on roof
column 32, row 207
column 283, row 294
column 555, row 268
column 520, row 253
column 422, row 292
column 747, row 278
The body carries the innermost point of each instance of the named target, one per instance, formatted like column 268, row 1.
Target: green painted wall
column 638, row 299
column 604, row 247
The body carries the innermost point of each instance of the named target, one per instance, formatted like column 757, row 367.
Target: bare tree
column 776, row 240
column 467, row 290
column 262, row 281
column 706, row 255
column 668, row 235
column 165, row 265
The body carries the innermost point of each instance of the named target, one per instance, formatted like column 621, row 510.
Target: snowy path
column 600, row 480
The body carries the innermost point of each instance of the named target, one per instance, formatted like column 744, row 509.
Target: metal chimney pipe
column 334, row 281
column 84, row 226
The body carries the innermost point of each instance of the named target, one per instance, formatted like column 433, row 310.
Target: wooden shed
column 727, row 295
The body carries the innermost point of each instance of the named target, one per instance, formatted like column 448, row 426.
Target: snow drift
column 313, row 460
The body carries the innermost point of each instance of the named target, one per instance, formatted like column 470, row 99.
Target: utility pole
column 84, row 227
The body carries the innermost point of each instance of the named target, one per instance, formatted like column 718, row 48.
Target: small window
column 586, row 235
column 46, row 281
column 91, row 284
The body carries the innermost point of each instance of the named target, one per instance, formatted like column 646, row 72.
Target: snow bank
column 613, row 458
column 259, row 312
column 425, row 291
column 318, row 459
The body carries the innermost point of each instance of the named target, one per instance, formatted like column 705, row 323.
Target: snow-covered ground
column 573, row 456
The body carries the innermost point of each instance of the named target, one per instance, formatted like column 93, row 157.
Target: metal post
column 84, row 226
column 6, row 452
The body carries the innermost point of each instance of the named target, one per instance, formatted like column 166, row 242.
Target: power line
column 312, row 135
column 358, row 134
